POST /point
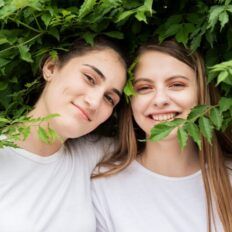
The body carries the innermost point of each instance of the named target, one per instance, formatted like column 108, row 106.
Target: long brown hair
column 212, row 157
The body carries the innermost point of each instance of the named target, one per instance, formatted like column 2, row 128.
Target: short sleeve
column 103, row 222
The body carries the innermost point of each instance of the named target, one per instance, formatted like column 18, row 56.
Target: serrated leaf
column 24, row 53
column 223, row 18
column 225, row 104
column 89, row 37
column 182, row 35
column 42, row 134
column 5, row 120
column 54, row 55
column 48, row 117
column 162, row 130
column 205, row 128
column 159, row 132
column 196, row 112
column 46, row 18
column 144, row 10
column 4, row 62
column 115, row 34
column 124, row 15
column 214, row 13
column 55, row 33
column 129, row 89
column 171, row 31
column 25, row 131
column 194, row 132
column 182, row 137
column 3, row 85
column 222, row 76
column 86, row 8
column 216, row 118
column 52, row 135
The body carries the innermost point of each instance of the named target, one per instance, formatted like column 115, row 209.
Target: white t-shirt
column 139, row 200
column 48, row 194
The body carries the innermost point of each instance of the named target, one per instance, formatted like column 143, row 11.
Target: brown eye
column 90, row 79
column 142, row 89
column 177, row 85
column 109, row 99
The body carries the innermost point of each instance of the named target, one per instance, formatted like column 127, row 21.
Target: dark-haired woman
column 46, row 187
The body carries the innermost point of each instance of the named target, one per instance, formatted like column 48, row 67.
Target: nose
column 160, row 98
column 93, row 99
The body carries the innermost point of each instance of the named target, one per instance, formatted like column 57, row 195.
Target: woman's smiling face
column 166, row 89
column 83, row 91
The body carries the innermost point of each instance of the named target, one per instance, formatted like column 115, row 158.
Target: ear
column 49, row 69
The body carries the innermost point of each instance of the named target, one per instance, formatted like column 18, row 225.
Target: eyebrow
column 103, row 78
column 96, row 70
column 142, row 79
column 170, row 78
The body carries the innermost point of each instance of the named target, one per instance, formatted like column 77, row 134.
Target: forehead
column 155, row 63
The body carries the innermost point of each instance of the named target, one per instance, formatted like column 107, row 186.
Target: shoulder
column 91, row 148
column 122, row 178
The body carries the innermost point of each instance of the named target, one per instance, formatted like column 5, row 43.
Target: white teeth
column 163, row 117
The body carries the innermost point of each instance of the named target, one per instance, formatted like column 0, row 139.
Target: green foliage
column 32, row 28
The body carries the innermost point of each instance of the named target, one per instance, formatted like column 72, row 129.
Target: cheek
column 186, row 99
column 104, row 113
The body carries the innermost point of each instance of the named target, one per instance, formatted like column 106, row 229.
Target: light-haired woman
column 154, row 186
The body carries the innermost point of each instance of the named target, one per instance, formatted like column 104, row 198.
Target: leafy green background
column 32, row 28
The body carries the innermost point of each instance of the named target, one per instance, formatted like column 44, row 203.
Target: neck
column 34, row 144
column 166, row 158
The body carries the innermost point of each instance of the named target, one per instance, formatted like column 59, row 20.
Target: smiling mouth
column 83, row 113
column 163, row 117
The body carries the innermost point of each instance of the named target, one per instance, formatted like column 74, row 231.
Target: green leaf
column 115, row 34
column 3, row 85
column 89, row 37
column 2, row 3
column 196, row 112
column 205, row 128
column 225, row 104
column 25, row 131
column 214, row 14
column 182, row 137
column 223, row 18
column 46, row 18
column 222, row 76
column 43, row 134
column 86, row 8
column 171, row 31
column 4, row 62
column 48, row 117
column 124, row 15
column 24, row 53
column 144, row 10
column 55, row 33
column 159, row 132
column 216, row 117
column 182, row 34
column 53, row 136
column 162, row 130
column 54, row 55
column 194, row 132
column 5, row 120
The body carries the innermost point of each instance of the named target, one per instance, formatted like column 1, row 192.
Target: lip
column 161, row 115
column 163, row 112
column 83, row 112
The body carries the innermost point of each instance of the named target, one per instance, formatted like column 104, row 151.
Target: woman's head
column 169, row 80
column 83, row 86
